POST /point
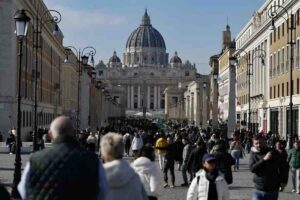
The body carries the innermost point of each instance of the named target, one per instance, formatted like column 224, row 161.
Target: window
column 287, row 58
column 275, row 35
column 298, row 17
column 135, row 73
column 297, row 85
column 162, row 104
column 271, row 66
column 100, row 73
column 282, row 29
column 274, row 90
column 271, row 38
column 287, row 88
column 187, row 73
column 270, row 92
column 282, row 89
column 282, row 63
column 278, row 32
column 135, row 105
column 27, row 119
column 274, row 64
column 23, row 118
column 151, row 105
column 278, row 63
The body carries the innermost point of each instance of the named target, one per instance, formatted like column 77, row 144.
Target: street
column 241, row 188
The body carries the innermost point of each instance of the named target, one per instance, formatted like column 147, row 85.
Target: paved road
column 240, row 189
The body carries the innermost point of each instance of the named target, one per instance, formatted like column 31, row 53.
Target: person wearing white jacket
column 209, row 183
column 145, row 167
column 136, row 144
column 124, row 183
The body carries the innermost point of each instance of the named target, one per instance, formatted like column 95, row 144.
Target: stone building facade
column 140, row 81
column 50, row 57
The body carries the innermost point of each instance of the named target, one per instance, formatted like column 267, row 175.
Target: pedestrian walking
column 224, row 161
column 145, row 167
column 179, row 149
column 127, row 143
column 11, row 142
column 237, row 152
column 169, row 161
column 160, row 145
column 270, row 171
column 91, row 142
column 65, row 171
column 123, row 182
column 294, row 162
column 136, row 145
column 195, row 159
column 209, row 183
column 187, row 149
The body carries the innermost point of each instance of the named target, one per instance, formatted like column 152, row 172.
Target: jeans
column 236, row 156
column 260, row 195
column 169, row 165
column 184, row 175
column 161, row 160
column 296, row 178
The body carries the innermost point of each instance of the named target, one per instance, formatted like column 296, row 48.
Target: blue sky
column 191, row 27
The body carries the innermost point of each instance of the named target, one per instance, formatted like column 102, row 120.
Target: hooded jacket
column 123, row 182
column 268, row 174
column 149, row 175
column 199, row 191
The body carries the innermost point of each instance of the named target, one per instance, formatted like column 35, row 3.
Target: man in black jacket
column 169, row 161
column 270, row 170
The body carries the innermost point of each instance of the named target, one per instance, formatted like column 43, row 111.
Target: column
column 158, row 98
column 132, row 97
column 139, row 96
column 155, row 97
column 128, row 97
column 148, row 97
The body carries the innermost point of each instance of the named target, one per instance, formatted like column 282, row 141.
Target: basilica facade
column 139, row 81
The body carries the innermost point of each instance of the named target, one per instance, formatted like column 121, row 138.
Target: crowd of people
column 118, row 162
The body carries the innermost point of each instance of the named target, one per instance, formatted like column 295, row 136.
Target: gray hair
column 112, row 146
column 62, row 125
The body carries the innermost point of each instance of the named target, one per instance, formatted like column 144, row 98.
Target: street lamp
column 21, row 23
column 40, row 21
column 82, row 59
column 261, row 55
column 291, row 27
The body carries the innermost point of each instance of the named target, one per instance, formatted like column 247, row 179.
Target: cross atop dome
column 146, row 19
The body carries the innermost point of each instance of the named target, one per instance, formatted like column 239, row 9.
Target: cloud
column 82, row 27
column 84, row 19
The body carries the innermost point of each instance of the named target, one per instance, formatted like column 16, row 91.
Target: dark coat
column 65, row 171
column 194, row 163
column 224, row 163
column 268, row 174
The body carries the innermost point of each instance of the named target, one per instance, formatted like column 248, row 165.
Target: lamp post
column 40, row 20
column 262, row 55
column 291, row 27
column 82, row 59
column 21, row 22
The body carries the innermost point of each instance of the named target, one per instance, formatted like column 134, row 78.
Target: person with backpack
column 209, row 183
